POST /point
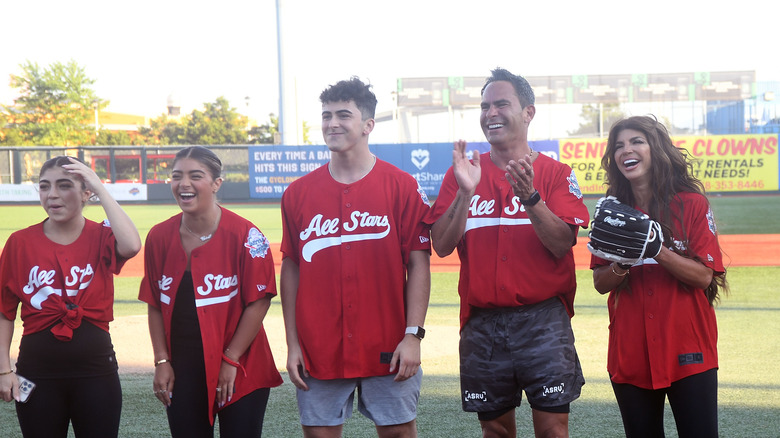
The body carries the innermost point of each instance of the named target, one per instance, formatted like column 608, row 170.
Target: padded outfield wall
column 745, row 163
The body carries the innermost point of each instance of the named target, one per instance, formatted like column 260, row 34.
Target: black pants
column 694, row 402
column 188, row 415
column 92, row 404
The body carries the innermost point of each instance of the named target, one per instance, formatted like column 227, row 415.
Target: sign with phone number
column 724, row 163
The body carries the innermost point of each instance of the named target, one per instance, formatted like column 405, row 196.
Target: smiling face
column 632, row 156
column 193, row 186
column 503, row 118
column 343, row 126
column 62, row 195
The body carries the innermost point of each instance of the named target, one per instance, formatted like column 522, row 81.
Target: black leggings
column 92, row 404
column 188, row 415
column 694, row 402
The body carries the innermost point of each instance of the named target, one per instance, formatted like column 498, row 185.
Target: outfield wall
column 746, row 163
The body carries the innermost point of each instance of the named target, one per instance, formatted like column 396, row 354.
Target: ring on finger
column 219, row 389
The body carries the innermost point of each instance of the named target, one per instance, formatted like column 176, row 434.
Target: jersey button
column 349, row 204
column 650, row 292
column 503, row 258
column 346, row 191
column 651, row 316
column 348, row 247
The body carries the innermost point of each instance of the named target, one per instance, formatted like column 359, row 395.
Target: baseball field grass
column 748, row 319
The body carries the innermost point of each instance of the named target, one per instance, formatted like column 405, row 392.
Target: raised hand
column 467, row 172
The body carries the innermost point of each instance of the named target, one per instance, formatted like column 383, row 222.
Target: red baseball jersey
column 661, row 330
column 231, row 270
column 55, row 282
column 503, row 262
column 352, row 243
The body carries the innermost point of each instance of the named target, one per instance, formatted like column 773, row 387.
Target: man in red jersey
column 355, row 278
column 513, row 214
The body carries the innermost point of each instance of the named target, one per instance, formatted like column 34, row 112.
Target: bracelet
column 231, row 362
column 7, row 372
column 615, row 272
column 161, row 361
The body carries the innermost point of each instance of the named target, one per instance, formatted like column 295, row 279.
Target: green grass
column 749, row 395
column 748, row 320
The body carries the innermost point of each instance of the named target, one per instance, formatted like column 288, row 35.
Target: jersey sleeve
column 564, row 198
column 289, row 246
column 109, row 256
column 417, row 235
column 257, row 266
column 9, row 301
column 703, row 239
column 149, row 291
column 447, row 191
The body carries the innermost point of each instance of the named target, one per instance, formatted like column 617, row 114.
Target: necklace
column 202, row 238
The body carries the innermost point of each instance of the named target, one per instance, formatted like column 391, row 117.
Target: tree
column 114, row 138
column 219, row 123
column 595, row 118
column 267, row 132
column 54, row 107
column 163, row 131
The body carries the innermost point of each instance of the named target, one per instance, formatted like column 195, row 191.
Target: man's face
column 343, row 126
column 503, row 119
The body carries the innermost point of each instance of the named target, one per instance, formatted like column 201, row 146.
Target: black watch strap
column 533, row 200
column 418, row 332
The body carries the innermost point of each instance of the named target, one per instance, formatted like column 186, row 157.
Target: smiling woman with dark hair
column 61, row 271
column 663, row 332
column 209, row 279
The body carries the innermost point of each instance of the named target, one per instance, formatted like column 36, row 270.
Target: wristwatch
column 417, row 332
column 530, row 202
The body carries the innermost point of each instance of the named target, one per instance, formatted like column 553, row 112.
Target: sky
column 142, row 52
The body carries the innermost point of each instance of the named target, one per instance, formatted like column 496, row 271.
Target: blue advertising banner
column 273, row 168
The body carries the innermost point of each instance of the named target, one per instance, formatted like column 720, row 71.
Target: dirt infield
column 738, row 250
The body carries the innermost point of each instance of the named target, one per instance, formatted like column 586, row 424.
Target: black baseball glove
column 623, row 234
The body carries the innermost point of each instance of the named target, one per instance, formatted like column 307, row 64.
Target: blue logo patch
column 257, row 243
column 574, row 186
column 423, row 196
column 711, row 222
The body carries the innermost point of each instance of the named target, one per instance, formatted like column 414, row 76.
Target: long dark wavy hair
column 671, row 173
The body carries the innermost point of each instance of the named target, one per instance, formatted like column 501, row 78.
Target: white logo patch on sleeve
column 257, row 243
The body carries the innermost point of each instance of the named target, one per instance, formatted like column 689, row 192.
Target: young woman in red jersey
column 208, row 280
column 663, row 332
column 61, row 271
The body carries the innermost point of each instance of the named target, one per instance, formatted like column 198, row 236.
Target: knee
column 556, row 431
column 502, row 427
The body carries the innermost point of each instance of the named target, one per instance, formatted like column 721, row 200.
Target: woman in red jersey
column 662, row 332
column 209, row 279
column 61, row 271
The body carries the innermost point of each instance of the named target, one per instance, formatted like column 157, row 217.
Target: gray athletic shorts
column 505, row 351
column 381, row 399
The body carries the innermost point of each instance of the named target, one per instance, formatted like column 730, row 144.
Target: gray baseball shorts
column 381, row 399
column 506, row 351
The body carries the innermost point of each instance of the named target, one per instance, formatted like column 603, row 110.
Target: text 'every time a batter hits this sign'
column 272, row 169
